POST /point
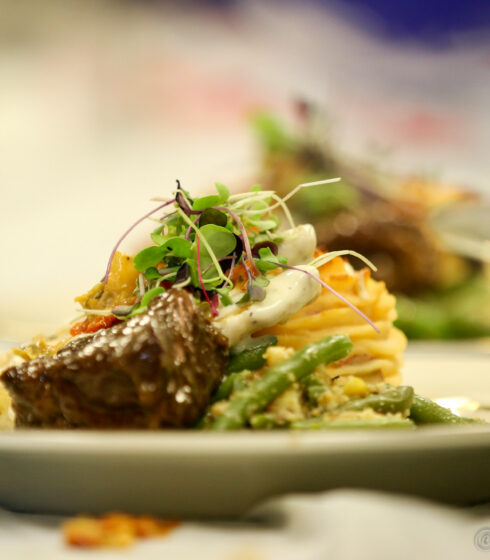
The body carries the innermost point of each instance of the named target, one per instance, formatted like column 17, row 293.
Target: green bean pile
column 250, row 394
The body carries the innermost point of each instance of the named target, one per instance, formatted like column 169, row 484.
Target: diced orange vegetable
column 94, row 324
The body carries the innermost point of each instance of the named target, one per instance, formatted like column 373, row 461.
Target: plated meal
column 230, row 319
column 389, row 218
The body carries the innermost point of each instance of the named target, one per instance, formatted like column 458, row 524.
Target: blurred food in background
column 103, row 104
column 386, row 217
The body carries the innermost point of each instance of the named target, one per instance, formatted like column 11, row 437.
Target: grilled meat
column 157, row 369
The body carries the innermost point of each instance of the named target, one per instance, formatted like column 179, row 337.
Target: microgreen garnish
column 217, row 245
column 267, row 260
column 152, row 273
column 213, row 216
column 327, row 257
column 214, row 311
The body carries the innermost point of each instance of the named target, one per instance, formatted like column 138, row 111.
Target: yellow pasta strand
column 375, row 356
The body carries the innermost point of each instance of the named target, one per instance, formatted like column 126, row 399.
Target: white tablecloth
column 338, row 525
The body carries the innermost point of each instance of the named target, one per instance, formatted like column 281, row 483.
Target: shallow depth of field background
column 104, row 104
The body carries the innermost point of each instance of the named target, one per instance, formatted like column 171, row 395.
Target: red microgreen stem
column 334, row 292
column 214, row 311
column 127, row 232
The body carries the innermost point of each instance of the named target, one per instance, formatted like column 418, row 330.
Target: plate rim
column 191, row 443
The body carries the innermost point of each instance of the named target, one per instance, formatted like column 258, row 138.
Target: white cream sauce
column 286, row 294
column 299, row 244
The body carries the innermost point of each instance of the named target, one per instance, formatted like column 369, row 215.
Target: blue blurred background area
column 434, row 22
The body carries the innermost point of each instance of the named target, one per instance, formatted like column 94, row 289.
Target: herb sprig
column 206, row 244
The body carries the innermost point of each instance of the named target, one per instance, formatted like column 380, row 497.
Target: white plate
column 219, row 475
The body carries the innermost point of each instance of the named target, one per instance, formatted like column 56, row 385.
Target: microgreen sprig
column 202, row 241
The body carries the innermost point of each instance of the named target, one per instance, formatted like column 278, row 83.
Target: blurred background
column 104, row 104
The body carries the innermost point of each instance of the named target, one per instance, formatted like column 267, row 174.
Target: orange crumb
column 114, row 530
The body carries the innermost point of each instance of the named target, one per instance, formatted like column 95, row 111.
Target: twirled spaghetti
column 376, row 356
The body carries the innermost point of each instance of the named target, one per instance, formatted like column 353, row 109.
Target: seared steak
column 157, row 369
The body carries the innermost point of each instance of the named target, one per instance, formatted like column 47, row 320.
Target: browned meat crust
column 157, row 369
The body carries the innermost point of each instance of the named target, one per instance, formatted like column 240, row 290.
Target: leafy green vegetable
column 223, row 192
column 261, row 281
column 268, row 261
column 256, row 291
column 148, row 257
column 216, row 217
column 158, row 238
column 142, row 306
column 267, row 224
column 152, row 273
column 221, row 241
column 150, row 295
column 178, row 246
column 151, row 256
column 224, row 294
column 206, row 202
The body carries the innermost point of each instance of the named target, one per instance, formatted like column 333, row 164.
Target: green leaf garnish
column 151, row 256
column 268, row 261
column 178, row 246
column 223, row 192
column 152, row 273
column 213, row 216
column 145, row 300
column 150, row 294
column 256, row 291
column 262, row 281
column 158, row 238
column 268, row 224
column 211, row 200
column 224, row 295
column 206, row 202
column 148, row 257
column 221, row 242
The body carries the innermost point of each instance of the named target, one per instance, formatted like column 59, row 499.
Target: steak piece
column 157, row 369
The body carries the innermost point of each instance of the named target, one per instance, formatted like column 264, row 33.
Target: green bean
column 314, row 388
column 278, row 378
column 425, row 411
column 393, row 399
column 233, row 382
column 265, row 421
column 351, row 423
column 251, row 357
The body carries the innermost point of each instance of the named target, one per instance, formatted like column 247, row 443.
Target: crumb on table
column 116, row 530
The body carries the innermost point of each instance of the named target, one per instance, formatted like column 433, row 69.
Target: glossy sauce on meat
column 157, row 369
